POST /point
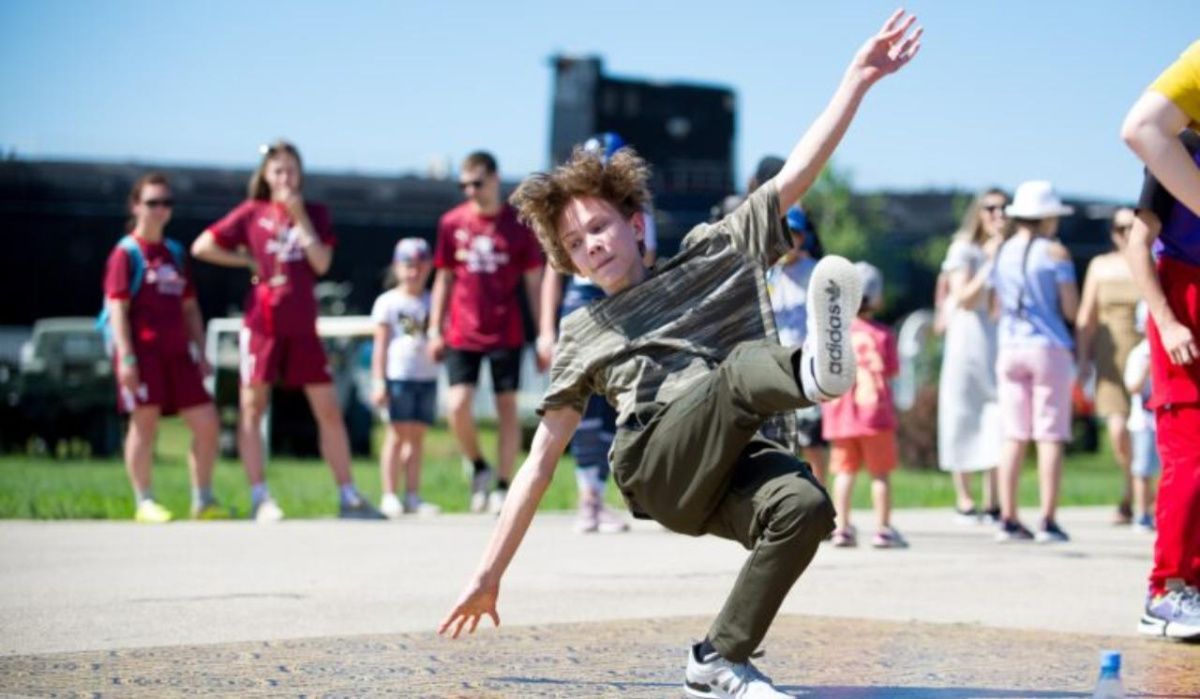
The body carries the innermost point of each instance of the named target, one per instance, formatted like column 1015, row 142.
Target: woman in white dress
column 968, row 424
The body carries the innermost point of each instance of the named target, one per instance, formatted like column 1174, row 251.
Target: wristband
column 129, row 359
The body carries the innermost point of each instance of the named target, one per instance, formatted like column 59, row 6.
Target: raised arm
column 881, row 55
column 479, row 597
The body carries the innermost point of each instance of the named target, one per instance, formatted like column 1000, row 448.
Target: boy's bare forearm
column 526, row 492
column 814, row 149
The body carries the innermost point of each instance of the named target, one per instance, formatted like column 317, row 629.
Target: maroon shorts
column 291, row 360
column 170, row 381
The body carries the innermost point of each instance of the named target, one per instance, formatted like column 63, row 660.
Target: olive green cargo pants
column 697, row 465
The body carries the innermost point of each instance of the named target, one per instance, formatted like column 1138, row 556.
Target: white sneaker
column 414, row 505
column 609, row 522
column 827, row 365
column 390, row 507
column 495, row 501
column 266, row 511
column 1173, row 614
column 717, row 678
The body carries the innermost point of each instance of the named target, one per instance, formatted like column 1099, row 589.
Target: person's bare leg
column 818, row 459
column 1143, row 495
column 390, row 458
column 962, row 490
column 1050, row 458
column 1122, row 447
column 413, row 455
column 990, row 489
column 460, row 399
column 335, row 444
column 881, row 500
column 509, row 436
column 139, row 447
column 202, row 457
column 843, row 489
column 253, row 402
column 1011, row 456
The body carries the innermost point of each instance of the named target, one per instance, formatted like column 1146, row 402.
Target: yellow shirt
column 1180, row 83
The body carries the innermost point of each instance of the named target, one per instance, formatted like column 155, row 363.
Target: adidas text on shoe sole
column 834, row 296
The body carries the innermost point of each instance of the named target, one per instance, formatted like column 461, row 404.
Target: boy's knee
column 802, row 509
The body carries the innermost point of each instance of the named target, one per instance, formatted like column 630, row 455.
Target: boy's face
column 412, row 275
column 603, row 244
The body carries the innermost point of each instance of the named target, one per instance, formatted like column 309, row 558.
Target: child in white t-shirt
column 404, row 380
column 1145, row 465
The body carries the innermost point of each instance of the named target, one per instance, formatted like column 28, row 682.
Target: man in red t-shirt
column 483, row 253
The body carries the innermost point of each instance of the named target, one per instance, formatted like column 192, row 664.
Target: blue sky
column 1000, row 93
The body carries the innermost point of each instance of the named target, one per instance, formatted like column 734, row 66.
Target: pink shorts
column 1034, row 390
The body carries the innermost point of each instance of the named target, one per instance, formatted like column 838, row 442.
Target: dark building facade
column 685, row 131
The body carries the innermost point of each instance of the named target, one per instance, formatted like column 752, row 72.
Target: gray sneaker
column 1174, row 614
column 359, row 509
column 714, row 677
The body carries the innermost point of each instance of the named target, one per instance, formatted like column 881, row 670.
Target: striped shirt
column 649, row 344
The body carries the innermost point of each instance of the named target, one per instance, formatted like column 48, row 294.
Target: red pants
column 1176, row 399
column 1177, row 514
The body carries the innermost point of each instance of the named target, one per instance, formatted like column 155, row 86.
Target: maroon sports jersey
column 488, row 255
column 156, row 311
column 287, row 306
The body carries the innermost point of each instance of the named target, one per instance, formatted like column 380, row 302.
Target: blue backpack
column 137, row 272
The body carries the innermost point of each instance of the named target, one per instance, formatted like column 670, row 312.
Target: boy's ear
column 638, row 221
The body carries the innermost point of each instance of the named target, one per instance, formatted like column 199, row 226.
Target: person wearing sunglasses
column 483, row 255
column 968, row 421
column 1105, row 333
column 157, row 332
column 285, row 243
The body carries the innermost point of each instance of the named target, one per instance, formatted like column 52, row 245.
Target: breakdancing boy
column 687, row 353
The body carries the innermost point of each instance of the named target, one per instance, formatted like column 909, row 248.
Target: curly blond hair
column 543, row 196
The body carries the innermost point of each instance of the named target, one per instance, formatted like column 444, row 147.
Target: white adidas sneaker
column 827, row 365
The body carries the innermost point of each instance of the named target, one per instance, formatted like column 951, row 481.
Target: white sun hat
column 1036, row 199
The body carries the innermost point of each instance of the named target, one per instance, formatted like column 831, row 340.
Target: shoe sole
column 834, row 296
column 1153, row 626
column 697, row 689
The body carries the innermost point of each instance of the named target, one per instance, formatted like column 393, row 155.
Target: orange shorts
column 877, row 451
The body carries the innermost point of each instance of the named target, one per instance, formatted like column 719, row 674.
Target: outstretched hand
column 477, row 600
column 889, row 50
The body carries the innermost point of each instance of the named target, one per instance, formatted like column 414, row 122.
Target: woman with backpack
column 156, row 334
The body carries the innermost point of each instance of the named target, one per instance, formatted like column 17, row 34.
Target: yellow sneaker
column 150, row 512
column 211, row 511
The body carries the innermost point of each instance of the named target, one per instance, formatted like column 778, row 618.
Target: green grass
column 38, row 487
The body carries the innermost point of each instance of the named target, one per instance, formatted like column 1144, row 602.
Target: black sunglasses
column 464, row 186
column 156, row 203
column 994, row 208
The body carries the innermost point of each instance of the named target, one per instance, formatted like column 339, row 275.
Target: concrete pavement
column 158, row 595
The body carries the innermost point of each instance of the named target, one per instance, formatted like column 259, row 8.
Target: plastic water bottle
column 1109, row 685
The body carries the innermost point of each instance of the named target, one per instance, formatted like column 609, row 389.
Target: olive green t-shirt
column 647, row 345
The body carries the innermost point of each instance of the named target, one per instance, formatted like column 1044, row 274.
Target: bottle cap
column 1110, row 660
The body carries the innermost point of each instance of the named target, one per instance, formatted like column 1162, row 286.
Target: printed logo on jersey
column 283, row 246
column 479, row 253
column 166, row 279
